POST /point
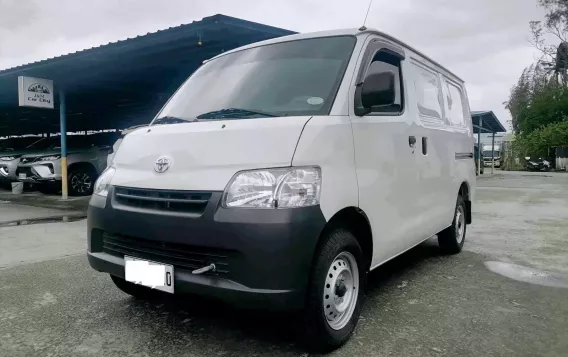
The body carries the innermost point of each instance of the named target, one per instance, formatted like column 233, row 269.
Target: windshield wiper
column 234, row 113
column 172, row 120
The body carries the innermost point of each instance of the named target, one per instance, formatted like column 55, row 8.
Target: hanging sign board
column 35, row 92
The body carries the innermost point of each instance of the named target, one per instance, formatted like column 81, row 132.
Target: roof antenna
column 363, row 28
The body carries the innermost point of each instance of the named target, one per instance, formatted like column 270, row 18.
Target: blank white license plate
column 151, row 274
column 22, row 176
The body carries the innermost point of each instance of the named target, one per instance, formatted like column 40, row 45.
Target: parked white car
column 282, row 172
column 86, row 160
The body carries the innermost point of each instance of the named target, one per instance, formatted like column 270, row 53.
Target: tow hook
column 204, row 269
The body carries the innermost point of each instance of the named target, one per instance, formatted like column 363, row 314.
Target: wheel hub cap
column 81, row 182
column 460, row 224
column 341, row 290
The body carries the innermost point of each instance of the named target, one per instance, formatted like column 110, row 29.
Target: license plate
column 22, row 176
column 151, row 274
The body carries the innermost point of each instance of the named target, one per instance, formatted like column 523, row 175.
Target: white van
column 282, row 172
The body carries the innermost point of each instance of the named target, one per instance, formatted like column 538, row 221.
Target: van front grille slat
column 180, row 256
column 188, row 202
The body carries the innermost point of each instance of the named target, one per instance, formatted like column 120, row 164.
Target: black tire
column 138, row 291
column 81, row 180
column 318, row 334
column 448, row 238
column 49, row 188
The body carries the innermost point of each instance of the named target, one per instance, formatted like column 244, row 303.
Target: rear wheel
column 81, row 180
column 335, row 294
column 452, row 239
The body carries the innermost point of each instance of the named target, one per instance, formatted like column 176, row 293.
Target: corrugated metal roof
column 123, row 83
column 486, row 122
column 193, row 26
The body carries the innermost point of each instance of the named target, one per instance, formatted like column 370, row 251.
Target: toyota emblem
column 162, row 164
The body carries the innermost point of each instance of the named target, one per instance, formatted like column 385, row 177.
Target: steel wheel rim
column 460, row 224
column 81, row 182
column 341, row 290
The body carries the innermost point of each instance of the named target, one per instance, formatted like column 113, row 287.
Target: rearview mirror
column 378, row 90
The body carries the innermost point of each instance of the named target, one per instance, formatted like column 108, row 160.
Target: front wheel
column 452, row 239
column 81, row 181
column 335, row 294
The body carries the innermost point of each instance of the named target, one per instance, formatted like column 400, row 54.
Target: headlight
column 7, row 158
column 274, row 188
column 50, row 158
column 102, row 184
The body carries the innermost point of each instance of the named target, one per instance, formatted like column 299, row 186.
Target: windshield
column 44, row 143
column 79, row 142
column 487, row 153
column 17, row 143
column 284, row 79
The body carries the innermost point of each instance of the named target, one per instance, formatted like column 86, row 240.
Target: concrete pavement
column 420, row 304
column 10, row 212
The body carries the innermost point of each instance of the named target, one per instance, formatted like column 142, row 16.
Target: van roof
column 341, row 32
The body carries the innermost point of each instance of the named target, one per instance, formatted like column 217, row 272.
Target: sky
column 485, row 42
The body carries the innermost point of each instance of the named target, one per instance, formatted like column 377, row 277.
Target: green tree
column 539, row 142
column 539, row 100
column 551, row 38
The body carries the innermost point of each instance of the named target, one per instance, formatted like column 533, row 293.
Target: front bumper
column 40, row 171
column 265, row 255
column 488, row 163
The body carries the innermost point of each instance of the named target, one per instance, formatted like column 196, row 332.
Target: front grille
column 181, row 256
column 188, row 202
column 30, row 173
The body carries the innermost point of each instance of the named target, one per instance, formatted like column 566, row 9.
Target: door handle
column 412, row 141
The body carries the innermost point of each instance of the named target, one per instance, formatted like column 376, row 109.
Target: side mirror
column 378, row 90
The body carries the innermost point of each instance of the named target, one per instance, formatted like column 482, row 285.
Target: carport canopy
column 486, row 122
column 123, row 83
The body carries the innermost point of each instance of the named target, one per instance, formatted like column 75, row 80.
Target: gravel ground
column 420, row 304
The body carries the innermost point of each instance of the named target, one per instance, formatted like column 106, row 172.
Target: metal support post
column 479, row 161
column 493, row 153
column 63, row 131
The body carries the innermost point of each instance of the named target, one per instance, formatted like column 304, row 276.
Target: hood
column 54, row 152
column 205, row 155
column 16, row 153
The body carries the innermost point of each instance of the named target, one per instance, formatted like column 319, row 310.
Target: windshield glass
column 284, row 79
column 17, row 143
column 487, row 153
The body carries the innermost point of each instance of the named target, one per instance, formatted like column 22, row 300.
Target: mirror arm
column 361, row 111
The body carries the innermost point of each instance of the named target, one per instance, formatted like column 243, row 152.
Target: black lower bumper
column 264, row 256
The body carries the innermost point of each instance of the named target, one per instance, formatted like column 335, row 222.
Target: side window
column 386, row 63
column 428, row 93
column 454, row 102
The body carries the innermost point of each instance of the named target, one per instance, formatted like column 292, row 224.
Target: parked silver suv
column 86, row 160
column 12, row 149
